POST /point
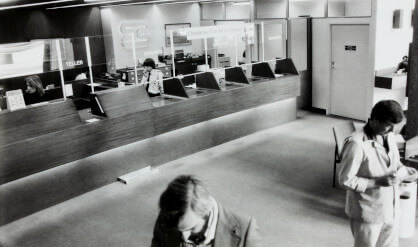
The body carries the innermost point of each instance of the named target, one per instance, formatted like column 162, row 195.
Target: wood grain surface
column 37, row 121
column 43, row 152
column 124, row 101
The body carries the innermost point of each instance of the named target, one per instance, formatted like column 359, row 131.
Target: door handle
column 332, row 65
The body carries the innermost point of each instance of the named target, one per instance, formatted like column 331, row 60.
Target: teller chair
column 341, row 132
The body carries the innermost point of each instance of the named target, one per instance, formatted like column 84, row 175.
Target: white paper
column 15, row 100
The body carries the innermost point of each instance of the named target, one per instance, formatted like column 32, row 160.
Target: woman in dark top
column 35, row 92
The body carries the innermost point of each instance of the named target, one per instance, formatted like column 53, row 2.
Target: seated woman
column 152, row 77
column 35, row 92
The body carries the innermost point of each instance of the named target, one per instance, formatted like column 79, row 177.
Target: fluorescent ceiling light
column 34, row 4
column 91, row 3
column 148, row 2
column 193, row 1
column 241, row 3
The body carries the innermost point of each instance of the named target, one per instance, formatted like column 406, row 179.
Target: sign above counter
column 245, row 29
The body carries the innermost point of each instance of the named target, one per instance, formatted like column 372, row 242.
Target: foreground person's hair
column 387, row 110
column 182, row 192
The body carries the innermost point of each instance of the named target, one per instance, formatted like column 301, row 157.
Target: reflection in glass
column 31, row 67
column 274, row 40
column 26, row 58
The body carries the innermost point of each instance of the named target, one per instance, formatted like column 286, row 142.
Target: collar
column 211, row 227
column 368, row 131
column 369, row 136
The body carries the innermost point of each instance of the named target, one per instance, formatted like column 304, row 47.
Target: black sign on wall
column 350, row 47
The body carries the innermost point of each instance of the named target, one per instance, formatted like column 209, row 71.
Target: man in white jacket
column 371, row 171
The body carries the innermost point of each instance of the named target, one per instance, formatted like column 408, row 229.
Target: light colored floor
column 281, row 176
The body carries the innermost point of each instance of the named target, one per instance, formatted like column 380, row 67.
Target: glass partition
column 275, row 39
column 235, row 47
column 103, row 68
column 76, row 71
column 33, row 68
column 213, row 11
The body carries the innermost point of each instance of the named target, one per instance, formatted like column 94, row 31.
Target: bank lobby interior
column 254, row 92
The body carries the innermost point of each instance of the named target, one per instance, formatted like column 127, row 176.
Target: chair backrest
column 341, row 132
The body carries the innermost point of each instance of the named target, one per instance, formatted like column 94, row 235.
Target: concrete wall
column 392, row 44
column 298, row 43
column 412, row 117
column 225, row 11
column 313, row 8
column 213, row 11
column 271, row 8
column 234, row 11
column 358, row 7
column 336, row 9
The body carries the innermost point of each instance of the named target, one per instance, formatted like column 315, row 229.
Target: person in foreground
column 371, row 171
column 190, row 216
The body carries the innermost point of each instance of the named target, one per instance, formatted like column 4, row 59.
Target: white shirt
column 81, row 76
column 155, row 80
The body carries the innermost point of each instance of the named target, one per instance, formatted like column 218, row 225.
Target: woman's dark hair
column 387, row 110
column 182, row 192
column 149, row 62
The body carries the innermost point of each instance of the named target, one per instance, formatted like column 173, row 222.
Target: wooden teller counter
column 195, row 112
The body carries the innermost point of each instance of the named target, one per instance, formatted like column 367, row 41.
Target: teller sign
column 15, row 100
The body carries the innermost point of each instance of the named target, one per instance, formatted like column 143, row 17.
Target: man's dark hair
column 182, row 192
column 404, row 57
column 149, row 62
column 387, row 110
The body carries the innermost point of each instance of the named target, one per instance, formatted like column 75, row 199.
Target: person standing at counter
column 370, row 172
column 152, row 77
column 35, row 92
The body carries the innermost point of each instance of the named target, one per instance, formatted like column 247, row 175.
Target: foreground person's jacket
column 232, row 230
